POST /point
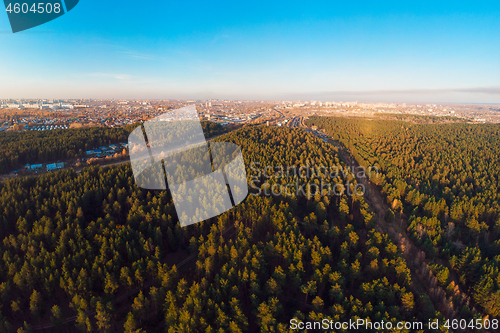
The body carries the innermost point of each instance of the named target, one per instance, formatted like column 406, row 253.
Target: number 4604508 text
column 36, row 8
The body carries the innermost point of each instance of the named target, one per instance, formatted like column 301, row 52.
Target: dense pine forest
column 92, row 252
column 444, row 182
column 19, row 148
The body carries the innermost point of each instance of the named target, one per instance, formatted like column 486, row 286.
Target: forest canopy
column 444, row 178
column 92, row 251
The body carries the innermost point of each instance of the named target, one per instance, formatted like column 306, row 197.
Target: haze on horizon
column 431, row 52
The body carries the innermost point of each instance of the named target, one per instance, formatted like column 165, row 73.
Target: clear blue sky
column 435, row 51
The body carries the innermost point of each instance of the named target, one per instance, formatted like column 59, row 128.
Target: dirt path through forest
column 423, row 282
column 395, row 229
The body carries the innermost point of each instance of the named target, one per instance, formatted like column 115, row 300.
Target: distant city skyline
column 429, row 52
column 199, row 100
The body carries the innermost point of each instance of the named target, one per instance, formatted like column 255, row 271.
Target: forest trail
column 395, row 229
column 422, row 282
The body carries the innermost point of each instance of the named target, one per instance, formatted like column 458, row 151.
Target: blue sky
column 368, row 51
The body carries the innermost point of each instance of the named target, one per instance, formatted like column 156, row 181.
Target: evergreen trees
column 444, row 178
column 254, row 268
column 19, row 148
